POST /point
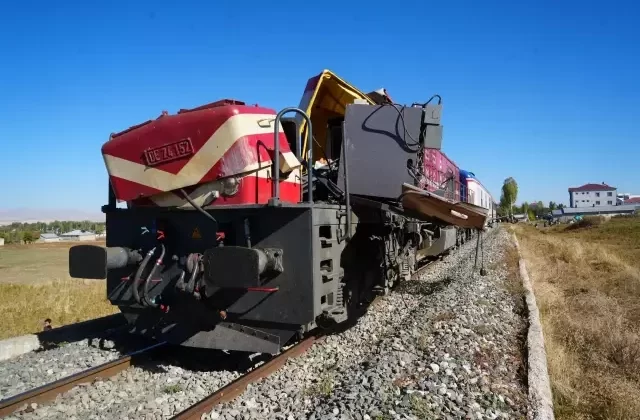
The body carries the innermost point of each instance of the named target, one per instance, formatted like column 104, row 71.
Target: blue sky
column 544, row 91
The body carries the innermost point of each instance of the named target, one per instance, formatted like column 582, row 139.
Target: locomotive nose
column 93, row 262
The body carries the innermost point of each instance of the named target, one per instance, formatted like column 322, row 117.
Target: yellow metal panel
column 328, row 99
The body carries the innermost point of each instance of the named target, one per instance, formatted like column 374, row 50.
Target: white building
column 78, row 235
column 1, row 241
column 593, row 195
column 48, row 237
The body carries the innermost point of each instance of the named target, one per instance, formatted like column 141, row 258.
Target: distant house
column 1, row 241
column 593, row 195
column 48, row 237
column 78, row 235
column 632, row 200
column 622, row 197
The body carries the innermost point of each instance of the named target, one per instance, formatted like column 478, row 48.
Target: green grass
column 172, row 389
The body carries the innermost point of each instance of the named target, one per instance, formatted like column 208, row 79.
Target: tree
column 552, row 206
column 561, row 206
column 16, row 237
column 30, row 232
column 503, row 205
column 27, row 237
column 509, row 192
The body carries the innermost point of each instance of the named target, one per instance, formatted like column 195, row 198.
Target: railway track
column 237, row 387
column 50, row 391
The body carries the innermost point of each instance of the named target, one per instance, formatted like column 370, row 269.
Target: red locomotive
column 244, row 229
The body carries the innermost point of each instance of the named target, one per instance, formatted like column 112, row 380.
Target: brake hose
column 138, row 276
column 146, row 283
column 190, row 287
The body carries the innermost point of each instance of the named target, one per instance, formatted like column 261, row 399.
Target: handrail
column 275, row 197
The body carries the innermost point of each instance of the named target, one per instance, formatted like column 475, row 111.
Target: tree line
column 508, row 207
column 30, row 232
column 536, row 209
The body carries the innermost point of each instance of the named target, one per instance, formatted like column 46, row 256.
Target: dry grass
column 35, row 285
column 513, row 283
column 587, row 284
column 35, row 263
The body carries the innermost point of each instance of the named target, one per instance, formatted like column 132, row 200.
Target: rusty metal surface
column 237, row 387
column 50, row 391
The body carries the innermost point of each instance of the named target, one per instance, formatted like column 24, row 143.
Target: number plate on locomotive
column 168, row 152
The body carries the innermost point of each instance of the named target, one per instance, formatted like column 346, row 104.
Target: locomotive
column 244, row 229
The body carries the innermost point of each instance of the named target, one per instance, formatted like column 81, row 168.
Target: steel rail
column 238, row 386
column 50, row 391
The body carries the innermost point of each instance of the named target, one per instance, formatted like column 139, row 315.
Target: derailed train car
column 474, row 192
column 244, row 229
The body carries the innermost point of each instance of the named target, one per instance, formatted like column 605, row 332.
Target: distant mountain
column 29, row 215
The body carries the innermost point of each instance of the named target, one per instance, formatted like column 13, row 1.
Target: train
column 245, row 229
column 472, row 191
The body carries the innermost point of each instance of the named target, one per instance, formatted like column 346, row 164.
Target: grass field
column 586, row 278
column 35, row 285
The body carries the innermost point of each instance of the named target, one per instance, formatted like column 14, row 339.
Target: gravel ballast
column 449, row 345
column 40, row 367
column 446, row 345
column 158, row 388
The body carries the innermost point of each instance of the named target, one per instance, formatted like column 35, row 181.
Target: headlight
column 230, row 186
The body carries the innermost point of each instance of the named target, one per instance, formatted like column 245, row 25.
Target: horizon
column 519, row 95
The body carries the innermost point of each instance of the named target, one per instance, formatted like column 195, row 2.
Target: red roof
column 634, row 200
column 593, row 187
